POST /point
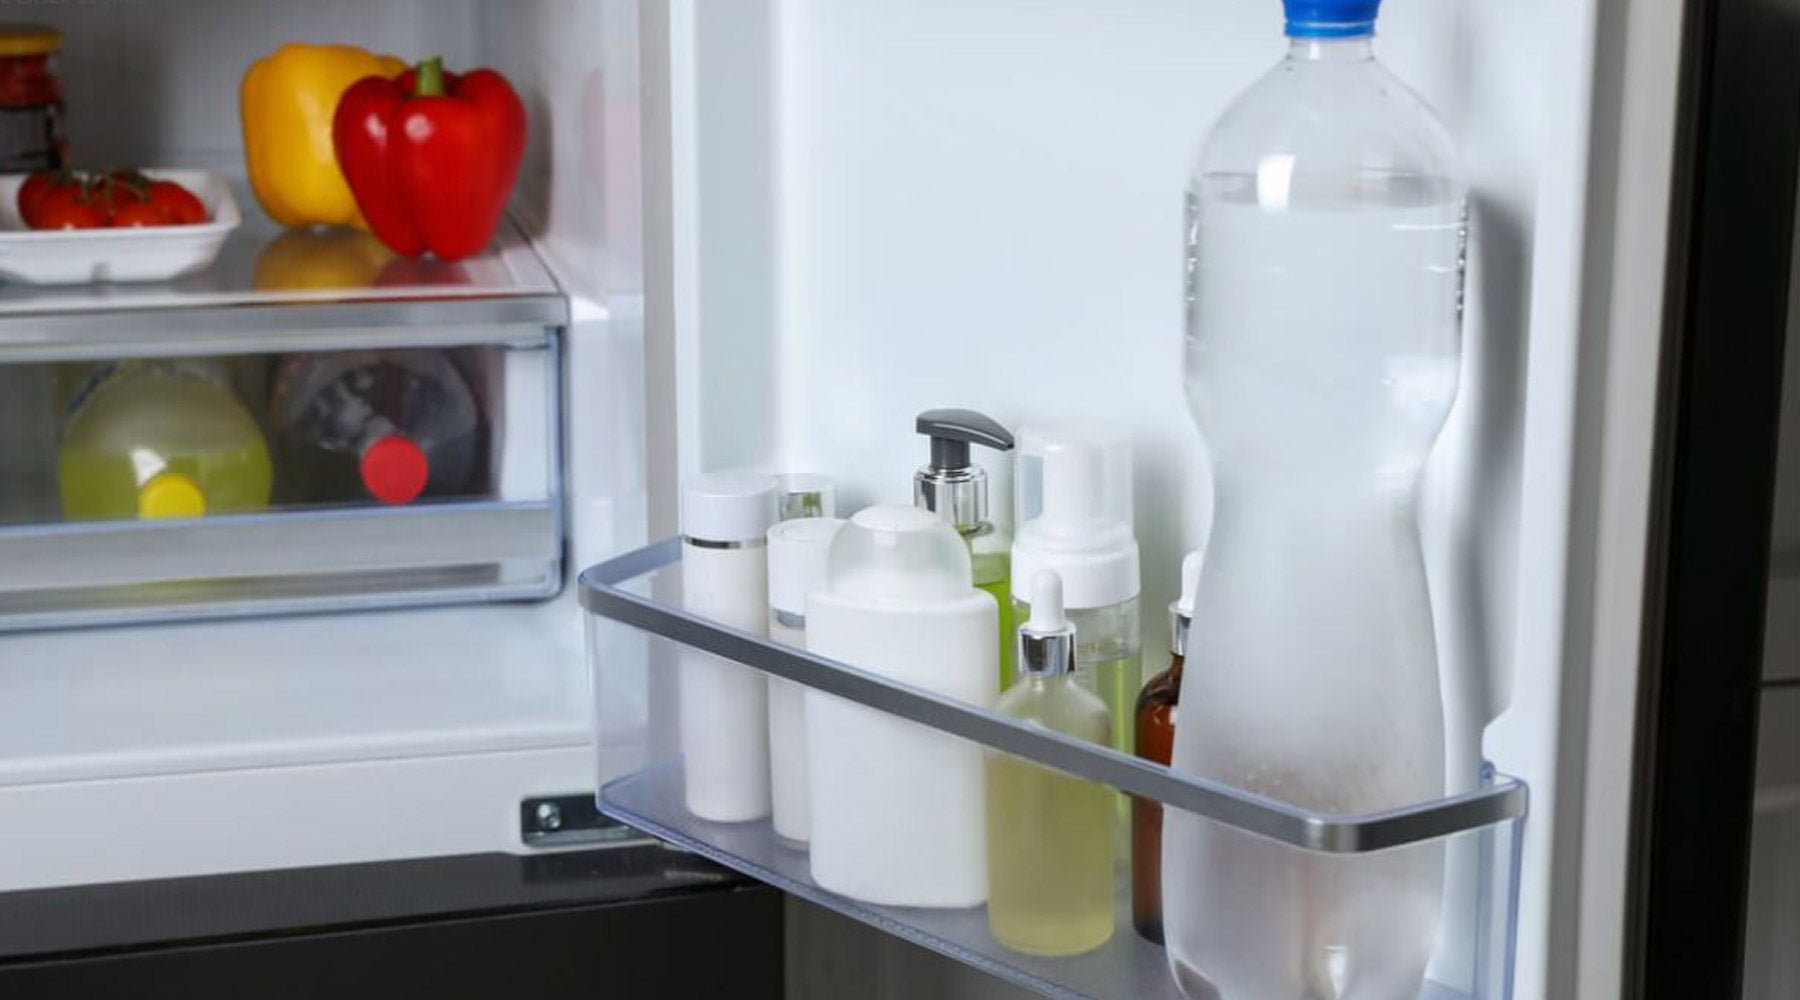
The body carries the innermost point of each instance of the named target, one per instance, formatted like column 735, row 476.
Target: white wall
column 157, row 83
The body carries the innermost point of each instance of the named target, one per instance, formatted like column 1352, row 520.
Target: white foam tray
column 147, row 253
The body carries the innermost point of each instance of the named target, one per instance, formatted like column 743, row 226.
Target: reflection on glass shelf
column 1125, row 968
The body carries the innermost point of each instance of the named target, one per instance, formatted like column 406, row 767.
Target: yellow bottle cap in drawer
column 171, row 494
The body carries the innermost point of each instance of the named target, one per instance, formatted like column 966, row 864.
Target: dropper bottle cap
column 1047, row 640
column 1181, row 610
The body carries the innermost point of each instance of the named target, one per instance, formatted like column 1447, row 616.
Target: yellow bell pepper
column 286, row 103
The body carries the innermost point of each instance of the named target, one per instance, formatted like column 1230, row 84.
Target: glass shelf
column 637, row 635
column 274, row 288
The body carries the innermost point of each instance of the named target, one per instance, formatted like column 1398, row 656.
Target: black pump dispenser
column 951, row 484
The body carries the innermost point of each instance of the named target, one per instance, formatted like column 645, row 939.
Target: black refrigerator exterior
column 1731, row 267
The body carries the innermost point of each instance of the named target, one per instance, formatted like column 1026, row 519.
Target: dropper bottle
column 1050, row 834
column 1157, row 707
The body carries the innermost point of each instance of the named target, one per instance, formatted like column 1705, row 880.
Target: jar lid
column 28, row 39
column 895, row 555
column 728, row 507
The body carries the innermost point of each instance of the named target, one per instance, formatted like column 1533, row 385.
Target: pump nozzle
column 952, row 431
column 950, row 485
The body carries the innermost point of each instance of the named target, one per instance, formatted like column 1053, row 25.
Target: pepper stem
column 428, row 77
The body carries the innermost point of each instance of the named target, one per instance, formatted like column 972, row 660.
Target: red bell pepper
column 431, row 156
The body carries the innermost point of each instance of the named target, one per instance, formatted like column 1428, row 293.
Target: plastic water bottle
column 1325, row 244
column 389, row 426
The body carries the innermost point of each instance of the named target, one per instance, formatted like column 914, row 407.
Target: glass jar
column 31, row 99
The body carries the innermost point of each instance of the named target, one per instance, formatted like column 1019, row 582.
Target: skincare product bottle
column 1073, row 496
column 797, row 553
column 1072, row 489
column 1157, row 707
column 723, row 712
column 956, row 489
column 1050, row 834
column 898, row 816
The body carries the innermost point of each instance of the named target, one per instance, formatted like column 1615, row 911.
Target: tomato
column 178, row 202
column 34, row 189
column 69, row 207
column 131, row 211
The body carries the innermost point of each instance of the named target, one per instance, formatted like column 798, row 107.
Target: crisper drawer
column 1428, row 886
column 226, row 472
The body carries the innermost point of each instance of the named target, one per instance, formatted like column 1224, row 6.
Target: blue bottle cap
column 1330, row 18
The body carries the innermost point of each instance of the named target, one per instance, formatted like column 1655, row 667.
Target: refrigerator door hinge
column 567, row 820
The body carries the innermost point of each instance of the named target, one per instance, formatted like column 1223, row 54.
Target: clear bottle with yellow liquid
column 160, row 438
column 1050, row 834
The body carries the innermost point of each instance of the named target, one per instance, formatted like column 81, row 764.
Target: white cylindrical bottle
column 724, row 705
column 797, row 557
column 898, row 813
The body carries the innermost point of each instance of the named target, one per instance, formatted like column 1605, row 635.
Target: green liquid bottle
column 1050, row 834
column 956, row 489
column 149, row 439
column 990, row 552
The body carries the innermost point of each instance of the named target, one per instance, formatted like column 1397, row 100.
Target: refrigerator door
column 1714, row 832
column 859, row 211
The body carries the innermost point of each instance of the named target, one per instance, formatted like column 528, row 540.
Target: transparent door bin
column 137, row 487
column 638, row 639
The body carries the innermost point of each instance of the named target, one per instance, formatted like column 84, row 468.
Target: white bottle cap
column 899, row 556
column 1190, row 583
column 727, row 508
column 798, row 554
column 1073, row 491
column 1181, row 610
column 1046, row 645
column 1046, row 603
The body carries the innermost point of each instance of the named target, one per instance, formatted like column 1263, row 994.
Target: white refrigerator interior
column 784, row 227
column 260, row 743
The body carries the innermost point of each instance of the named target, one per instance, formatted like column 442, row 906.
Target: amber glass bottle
column 1157, row 706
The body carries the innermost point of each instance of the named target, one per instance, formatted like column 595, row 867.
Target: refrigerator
column 764, row 234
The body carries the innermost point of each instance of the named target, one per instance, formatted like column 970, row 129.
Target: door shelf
column 637, row 632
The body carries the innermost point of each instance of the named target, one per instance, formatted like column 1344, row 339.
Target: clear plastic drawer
column 231, row 445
